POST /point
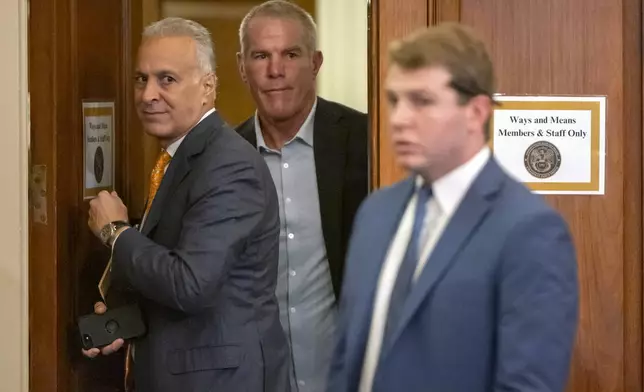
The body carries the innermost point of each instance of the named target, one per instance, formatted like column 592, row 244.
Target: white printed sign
column 555, row 145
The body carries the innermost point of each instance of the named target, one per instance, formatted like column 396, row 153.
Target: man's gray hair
column 180, row 27
column 280, row 9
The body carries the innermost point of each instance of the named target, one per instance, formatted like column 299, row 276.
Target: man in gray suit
column 458, row 278
column 204, row 266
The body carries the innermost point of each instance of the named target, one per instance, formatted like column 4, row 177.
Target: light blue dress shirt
column 304, row 288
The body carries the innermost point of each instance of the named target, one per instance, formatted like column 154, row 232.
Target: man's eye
column 421, row 101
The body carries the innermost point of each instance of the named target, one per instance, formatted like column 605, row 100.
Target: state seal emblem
column 99, row 163
column 542, row 159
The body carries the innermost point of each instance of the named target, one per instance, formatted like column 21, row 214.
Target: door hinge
column 38, row 193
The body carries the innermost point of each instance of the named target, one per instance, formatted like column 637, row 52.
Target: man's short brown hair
column 280, row 9
column 454, row 47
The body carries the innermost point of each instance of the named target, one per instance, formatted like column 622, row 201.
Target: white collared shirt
column 174, row 146
column 447, row 194
column 305, row 132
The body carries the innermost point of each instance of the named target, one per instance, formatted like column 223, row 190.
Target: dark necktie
column 403, row 284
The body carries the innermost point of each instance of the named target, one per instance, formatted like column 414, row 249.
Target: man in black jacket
column 316, row 151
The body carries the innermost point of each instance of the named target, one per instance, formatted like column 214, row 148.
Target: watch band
column 116, row 226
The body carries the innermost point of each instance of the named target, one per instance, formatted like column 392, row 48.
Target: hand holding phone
column 105, row 331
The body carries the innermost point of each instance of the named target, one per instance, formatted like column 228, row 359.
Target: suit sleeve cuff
column 117, row 235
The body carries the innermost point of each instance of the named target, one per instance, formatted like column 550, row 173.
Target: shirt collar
column 174, row 146
column 449, row 190
column 305, row 132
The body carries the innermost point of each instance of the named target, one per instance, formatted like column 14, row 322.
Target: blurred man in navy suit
column 458, row 278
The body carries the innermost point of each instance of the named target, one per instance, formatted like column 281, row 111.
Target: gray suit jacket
column 204, row 271
column 494, row 309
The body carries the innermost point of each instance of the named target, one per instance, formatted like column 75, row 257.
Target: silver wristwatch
column 108, row 232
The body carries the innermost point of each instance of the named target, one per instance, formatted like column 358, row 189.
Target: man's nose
column 150, row 91
column 400, row 115
column 276, row 68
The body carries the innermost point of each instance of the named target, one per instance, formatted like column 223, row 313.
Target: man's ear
column 210, row 85
column 318, row 59
column 240, row 67
column 480, row 110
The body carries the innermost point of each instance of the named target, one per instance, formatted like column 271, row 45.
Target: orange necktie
column 155, row 181
column 156, row 176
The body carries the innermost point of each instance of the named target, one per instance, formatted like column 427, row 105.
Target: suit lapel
column 462, row 226
column 329, row 150
column 193, row 144
column 247, row 131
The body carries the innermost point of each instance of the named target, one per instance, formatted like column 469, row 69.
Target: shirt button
column 288, row 199
column 291, row 236
column 301, row 382
column 292, row 310
column 293, row 273
column 286, row 166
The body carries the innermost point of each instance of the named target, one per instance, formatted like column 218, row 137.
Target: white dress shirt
column 447, row 193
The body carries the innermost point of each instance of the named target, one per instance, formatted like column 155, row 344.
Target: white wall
column 342, row 37
column 14, row 329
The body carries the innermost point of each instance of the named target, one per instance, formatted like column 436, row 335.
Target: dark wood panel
column 587, row 47
column 132, row 184
column 443, row 10
column 45, row 48
column 389, row 20
column 99, row 73
column 633, row 197
column 151, row 12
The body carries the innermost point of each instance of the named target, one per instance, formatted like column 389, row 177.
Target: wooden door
column 573, row 47
column 77, row 50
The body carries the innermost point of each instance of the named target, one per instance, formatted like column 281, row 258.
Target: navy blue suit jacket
column 495, row 308
column 204, row 271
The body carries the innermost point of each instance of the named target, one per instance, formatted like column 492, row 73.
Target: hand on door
column 105, row 208
column 100, row 308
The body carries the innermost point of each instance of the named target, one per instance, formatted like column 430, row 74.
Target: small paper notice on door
column 98, row 147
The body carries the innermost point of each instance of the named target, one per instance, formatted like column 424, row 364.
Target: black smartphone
column 98, row 330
